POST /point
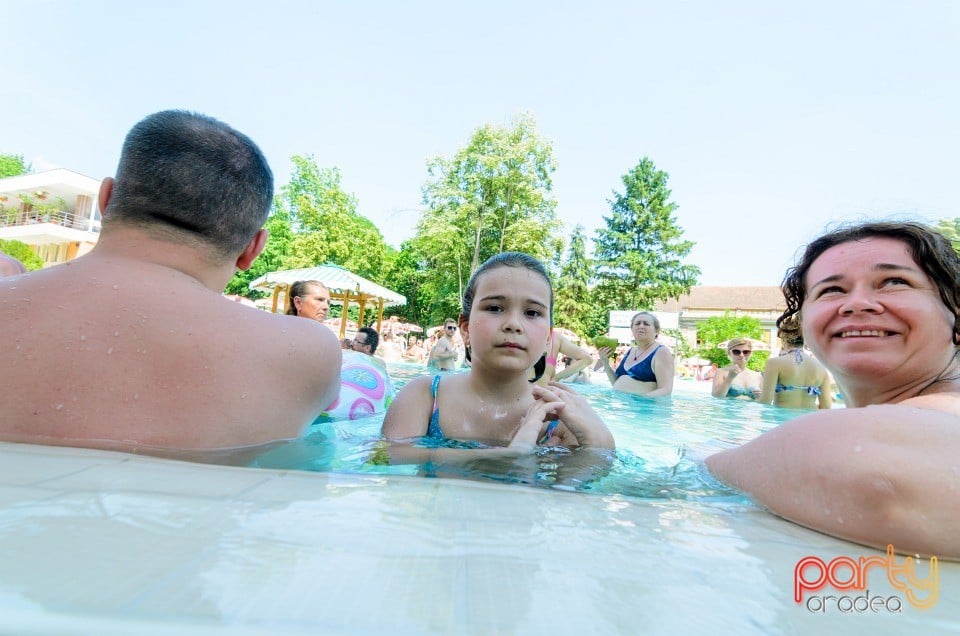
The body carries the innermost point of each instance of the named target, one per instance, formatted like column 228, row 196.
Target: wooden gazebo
column 345, row 288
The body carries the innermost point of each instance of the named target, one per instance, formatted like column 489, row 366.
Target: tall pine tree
column 571, row 305
column 639, row 255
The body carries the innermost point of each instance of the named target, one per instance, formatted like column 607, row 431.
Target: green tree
column 492, row 196
column 22, row 252
column 406, row 277
column 326, row 225
column 640, row 253
column 716, row 329
column 950, row 228
column 13, row 166
column 572, row 306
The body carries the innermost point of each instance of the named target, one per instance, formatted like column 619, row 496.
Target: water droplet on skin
column 116, row 334
column 59, row 407
column 243, row 396
column 857, row 448
column 82, row 338
column 110, row 350
column 826, row 512
column 136, row 396
column 840, row 520
column 116, row 286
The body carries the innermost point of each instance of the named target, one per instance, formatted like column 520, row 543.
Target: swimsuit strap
column 433, row 429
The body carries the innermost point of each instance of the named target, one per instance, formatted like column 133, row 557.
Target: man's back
column 118, row 352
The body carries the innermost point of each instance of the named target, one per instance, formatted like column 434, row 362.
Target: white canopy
column 344, row 286
column 338, row 280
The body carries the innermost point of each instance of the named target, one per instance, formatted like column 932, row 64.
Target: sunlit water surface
column 660, row 445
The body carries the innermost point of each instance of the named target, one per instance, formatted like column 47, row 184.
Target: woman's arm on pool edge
column 877, row 475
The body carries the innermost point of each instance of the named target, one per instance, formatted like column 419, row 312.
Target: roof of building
column 727, row 298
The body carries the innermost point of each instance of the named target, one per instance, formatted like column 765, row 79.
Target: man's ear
column 103, row 197
column 253, row 249
column 464, row 325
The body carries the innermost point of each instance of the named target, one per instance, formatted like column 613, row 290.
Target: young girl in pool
column 506, row 323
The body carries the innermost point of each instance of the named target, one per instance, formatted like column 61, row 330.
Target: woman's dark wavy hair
column 932, row 252
column 508, row 259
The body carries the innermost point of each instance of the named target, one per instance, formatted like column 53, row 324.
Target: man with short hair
column 443, row 356
column 152, row 355
column 366, row 340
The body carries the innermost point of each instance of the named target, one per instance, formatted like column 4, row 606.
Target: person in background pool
column 735, row 379
column 559, row 345
column 366, row 340
column 443, row 355
column 9, row 266
column 152, row 355
column 794, row 379
column 646, row 369
column 879, row 306
column 506, row 322
column 308, row 299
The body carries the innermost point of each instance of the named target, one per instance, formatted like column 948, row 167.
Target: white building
column 54, row 212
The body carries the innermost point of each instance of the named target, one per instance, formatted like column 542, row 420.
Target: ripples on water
column 660, row 446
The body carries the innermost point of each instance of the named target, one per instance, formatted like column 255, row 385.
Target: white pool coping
column 98, row 542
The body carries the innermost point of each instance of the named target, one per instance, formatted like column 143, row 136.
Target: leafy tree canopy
column 640, row 252
column 571, row 302
column 22, row 252
column 950, row 228
column 313, row 222
column 492, row 196
column 13, row 166
column 714, row 330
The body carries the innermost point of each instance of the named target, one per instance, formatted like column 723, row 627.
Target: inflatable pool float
column 365, row 388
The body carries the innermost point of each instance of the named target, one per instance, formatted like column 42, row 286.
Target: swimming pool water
column 101, row 542
column 660, row 445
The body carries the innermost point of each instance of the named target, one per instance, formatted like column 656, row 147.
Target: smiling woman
column 880, row 308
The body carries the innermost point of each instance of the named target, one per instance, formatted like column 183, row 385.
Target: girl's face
column 870, row 311
column 313, row 303
column 510, row 319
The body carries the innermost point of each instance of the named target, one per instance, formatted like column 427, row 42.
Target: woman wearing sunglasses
column 443, row 356
column 736, row 380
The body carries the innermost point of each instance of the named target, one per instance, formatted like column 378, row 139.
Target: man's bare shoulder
column 148, row 345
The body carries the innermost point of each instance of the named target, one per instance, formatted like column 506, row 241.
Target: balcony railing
column 11, row 218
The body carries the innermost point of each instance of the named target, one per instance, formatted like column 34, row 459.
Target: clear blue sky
column 772, row 120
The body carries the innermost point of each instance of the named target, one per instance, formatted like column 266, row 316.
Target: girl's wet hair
column 299, row 288
column 930, row 250
column 508, row 259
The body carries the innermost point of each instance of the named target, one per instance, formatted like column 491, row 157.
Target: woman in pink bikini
column 559, row 344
